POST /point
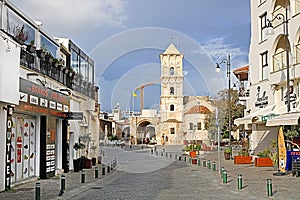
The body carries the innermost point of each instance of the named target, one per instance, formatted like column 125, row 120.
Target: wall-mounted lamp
column 69, row 91
column 9, row 109
column 31, row 74
column 274, row 87
column 43, row 83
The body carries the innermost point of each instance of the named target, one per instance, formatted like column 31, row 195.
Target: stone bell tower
column 171, row 98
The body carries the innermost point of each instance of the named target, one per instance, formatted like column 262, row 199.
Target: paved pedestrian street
column 141, row 174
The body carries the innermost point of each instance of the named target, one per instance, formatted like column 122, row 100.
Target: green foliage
column 244, row 152
column 291, row 134
column 112, row 137
column 228, row 150
column 191, row 147
column 78, row 146
column 264, row 154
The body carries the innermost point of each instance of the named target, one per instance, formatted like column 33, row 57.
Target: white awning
column 255, row 116
column 285, row 119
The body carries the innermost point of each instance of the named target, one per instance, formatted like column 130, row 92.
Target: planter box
column 263, row 162
column 242, row 159
column 87, row 163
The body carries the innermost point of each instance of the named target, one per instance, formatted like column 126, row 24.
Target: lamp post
column 218, row 126
column 218, row 69
column 270, row 31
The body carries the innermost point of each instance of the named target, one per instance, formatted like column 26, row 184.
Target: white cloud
column 66, row 16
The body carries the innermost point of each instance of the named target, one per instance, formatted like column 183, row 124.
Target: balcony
column 53, row 69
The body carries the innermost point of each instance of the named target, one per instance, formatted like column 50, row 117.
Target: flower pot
column 94, row 161
column 193, row 154
column 227, row 156
column 76, row 164
column 263, row 162
column 99, row 159
column 242, row 159
column 87, row 163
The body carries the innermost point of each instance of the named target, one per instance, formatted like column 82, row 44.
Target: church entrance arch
column 145, row 132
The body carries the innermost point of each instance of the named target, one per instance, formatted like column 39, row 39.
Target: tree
column 221, row 102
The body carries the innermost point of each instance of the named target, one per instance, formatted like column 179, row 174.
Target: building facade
column 274, row 73
column 38, row 88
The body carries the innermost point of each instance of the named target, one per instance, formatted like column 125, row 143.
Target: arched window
column 172, row 107
column 171, row 71
column 171, row 90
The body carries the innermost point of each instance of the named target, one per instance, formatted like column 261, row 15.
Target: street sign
column 75, row 115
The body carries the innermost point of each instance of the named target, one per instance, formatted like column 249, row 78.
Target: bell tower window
column 171, row 90
column 171, row 71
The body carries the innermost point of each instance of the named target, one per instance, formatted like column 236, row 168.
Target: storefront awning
column 285, row 119
column 257, row 116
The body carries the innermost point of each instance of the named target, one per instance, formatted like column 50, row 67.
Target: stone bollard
column 224, row 176
column 63, row 183
column 96, row 172
column 240, row 183
column 103, row 170
column 83, row 176
column 269, row 187
column 37, row 191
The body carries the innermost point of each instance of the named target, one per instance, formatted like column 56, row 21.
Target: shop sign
column 267, row 117
column 39, row 99
column 261, row 100
column 74, row 115
column 9, row 124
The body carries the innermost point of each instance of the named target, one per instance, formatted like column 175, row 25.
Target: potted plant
column 263, row 159
column 93, row 148
column 77, row 163
column 227, row 153
column 243, row 157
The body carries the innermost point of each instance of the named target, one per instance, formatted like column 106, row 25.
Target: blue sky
column 125, row 38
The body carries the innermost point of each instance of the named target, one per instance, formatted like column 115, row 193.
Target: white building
column 267, row 108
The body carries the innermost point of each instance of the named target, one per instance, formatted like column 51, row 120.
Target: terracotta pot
column 227, row 156
column 193, row 154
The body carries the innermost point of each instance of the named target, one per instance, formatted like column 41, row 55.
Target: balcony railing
column 279, row 61
column 59, row 73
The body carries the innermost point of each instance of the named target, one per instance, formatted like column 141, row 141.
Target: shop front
column 39, row 132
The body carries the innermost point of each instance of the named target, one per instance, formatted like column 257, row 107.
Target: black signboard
column 75, row 115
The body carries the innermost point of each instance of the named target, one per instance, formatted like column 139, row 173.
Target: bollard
column 175, row 156
column 156, row 153
column 37, row 191
column 179, row 158
column 184, row 158
column 111, row 165
column 170, row 155
column 269, row 187
column 222, row 170
column 155, row 148
column 103, row 170
column 166, row 154
column 151, row 151
column 214, row 166
column 96, row 172
column 190, row 159
column 204, row 163
column 199, row 162
column 108, row 169
column 161, row 153
column 240, row 183
column 83, row 176
column 63, row 183
column 224, row 176
column 115, row 162
column 130, row 146
column 208, row 164
column 142, row 146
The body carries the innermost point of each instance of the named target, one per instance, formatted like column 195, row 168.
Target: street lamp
column 218, row 69
column 270, row 31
